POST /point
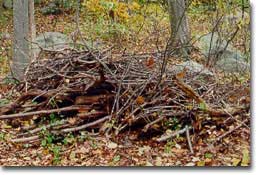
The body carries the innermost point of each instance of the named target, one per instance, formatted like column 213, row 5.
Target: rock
column 192, row 67
column 51, row 41
column 231, row 65
column 5, row 36
column 231, row 60
column 8, row 4
column 234, row 18
column 51, row 9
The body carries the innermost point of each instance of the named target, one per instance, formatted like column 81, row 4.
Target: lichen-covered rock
column 229, row 59
column 8, row 4
column 51, row 9
column 51, row 41
column 191, row 67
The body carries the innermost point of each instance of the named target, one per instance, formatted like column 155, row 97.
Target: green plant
column 168, row 147
column 2, row 136
column 55, row 150
column 4, row 102
column 69, row 139
column 172, row 123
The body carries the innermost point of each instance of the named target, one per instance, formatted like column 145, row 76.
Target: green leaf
column 43, row 143
column 208, row 155
column 116, row 158
column 202, row 106
column 246, row 158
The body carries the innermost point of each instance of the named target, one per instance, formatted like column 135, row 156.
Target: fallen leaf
column 112, row 145
column 150, row 62
column 246, row 158
column 201, row 163
column 140, row 100
column 158, row 161
column 235, row 161
column 190, row 164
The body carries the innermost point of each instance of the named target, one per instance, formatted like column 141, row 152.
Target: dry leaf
column 72, row 121
column 140, row 100
column 150, row 62
column 181, row 74
column 112, row 145
column 246, row 158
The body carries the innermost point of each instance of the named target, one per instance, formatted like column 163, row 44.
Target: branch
column 166, row 137
column 65, row 109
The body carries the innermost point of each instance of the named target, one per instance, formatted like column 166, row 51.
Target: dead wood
column 122, row 93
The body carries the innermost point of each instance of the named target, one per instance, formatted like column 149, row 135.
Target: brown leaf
column 140, row 100
column 150, row 62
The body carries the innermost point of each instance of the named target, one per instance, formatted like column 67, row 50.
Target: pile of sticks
column 91, row 90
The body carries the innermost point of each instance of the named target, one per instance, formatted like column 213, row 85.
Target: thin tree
column 24, row 33
column 180, row 32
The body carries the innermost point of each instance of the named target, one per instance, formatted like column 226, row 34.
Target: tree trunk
column 180, row 33
column 24, row 32
column 32, row 29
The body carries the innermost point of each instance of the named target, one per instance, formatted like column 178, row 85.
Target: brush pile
column 71, row 91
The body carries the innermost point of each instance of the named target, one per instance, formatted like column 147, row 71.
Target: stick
column 230, row 131
column 65, row 109
column 166, row 137
column 85, row 125
column 152, row 123
column 36, row 130
column 27, row 139
column 188, row 139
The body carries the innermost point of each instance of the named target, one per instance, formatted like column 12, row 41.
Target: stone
column 231, row 65
column 231, row 60
column 51, row 41
column 8, row 4
column 51, row 9
column 192, row 67
column 5, row 36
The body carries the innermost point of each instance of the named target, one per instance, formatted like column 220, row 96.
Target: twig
column 230, row 131
column 188, row 139
column 166, row 137
column 85, row 125
column 27, row 139
column 65, row 109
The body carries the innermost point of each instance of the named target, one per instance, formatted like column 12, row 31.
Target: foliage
column 110, row 9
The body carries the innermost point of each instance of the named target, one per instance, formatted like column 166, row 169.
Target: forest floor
column 128, row 148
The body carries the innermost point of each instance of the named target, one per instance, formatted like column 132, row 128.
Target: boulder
column 5, row 36
column 192, row 68
column 231, row 60
column 51, row 41
column 51, row 9
column 8, row 4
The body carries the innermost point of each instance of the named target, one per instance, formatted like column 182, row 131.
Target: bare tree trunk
column 179, row 24
column 21, row 39
column 32, row 29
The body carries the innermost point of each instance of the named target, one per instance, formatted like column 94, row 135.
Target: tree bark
column 180, row 32
column 21, row 38
column 32, row 29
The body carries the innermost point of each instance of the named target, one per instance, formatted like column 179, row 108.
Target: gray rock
column 5, row 36
column 51, row 9
column 230, row 60
column 51, row 41
column 234, row 18
column 231, row 65
column 8, row 4
column 192, row 67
